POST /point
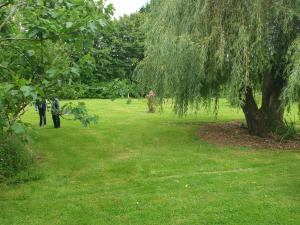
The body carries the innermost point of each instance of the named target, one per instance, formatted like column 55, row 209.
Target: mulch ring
column 235, row 134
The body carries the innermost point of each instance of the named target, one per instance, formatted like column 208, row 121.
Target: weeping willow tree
column 200, row 50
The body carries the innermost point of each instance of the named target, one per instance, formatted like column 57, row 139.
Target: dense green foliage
column 14, row 158
column 107, row 60
column 119, row 51
column 198, row 51
column 39, row 41
column 116, row 88
column 112, row 58
column 151, row 169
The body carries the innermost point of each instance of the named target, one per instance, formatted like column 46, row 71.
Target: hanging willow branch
column 197, row 50
column 201, row 50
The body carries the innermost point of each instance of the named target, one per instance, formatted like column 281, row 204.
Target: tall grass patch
column 16, row 160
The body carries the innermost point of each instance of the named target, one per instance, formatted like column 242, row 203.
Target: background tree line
column 105, row 68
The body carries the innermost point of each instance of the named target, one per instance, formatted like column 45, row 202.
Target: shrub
column 288, row 131
column 116, row 88
column 72, row 91
column 14, row 158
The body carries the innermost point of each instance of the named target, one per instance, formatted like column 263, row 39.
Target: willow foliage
column 200, row 50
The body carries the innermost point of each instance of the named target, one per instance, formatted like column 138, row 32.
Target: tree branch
column 8, row 69
column 4, row 4
column 3, row 67
column 26, row 58
column 17, row 39
column 11, row 14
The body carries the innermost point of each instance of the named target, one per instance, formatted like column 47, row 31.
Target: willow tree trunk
column 270, row 116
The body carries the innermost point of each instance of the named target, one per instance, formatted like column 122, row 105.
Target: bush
column 288, row 131
column 116, row 88
column 15, row 158
column 111, row 90
column 72, row 91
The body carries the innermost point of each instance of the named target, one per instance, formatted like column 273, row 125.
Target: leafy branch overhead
column 39, row 49
column 79, row 112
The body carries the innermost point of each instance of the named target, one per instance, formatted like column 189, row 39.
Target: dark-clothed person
column 55, row 110
column 42, row 107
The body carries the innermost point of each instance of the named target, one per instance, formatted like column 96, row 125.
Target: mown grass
column 139, row 168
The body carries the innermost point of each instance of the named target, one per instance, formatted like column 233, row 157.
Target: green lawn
column 139, row 168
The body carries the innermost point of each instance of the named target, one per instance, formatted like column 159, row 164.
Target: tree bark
column 267, row 119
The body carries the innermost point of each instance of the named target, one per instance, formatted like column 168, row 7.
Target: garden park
column 185, row 112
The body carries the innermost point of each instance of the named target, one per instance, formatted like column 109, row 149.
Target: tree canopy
column 200, row 50
column 110, row 59
column 39, row 40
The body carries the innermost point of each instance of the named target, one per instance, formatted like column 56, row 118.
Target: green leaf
column 14, row 92
column 92, row 26
column 52, row 14
column 51, row 72
column 69, row 24
column 3, row 122
column 27, row 90
column 33, row 33
column 18, row 128
column 30, row 53
column 102, row 23
column 20, row 82
column 75, row 70
column 5, row 64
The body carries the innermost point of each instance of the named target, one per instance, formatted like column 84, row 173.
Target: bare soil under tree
column 235, row 134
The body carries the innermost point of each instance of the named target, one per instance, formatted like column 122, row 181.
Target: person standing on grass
column 55, row 110
column 41, row 107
